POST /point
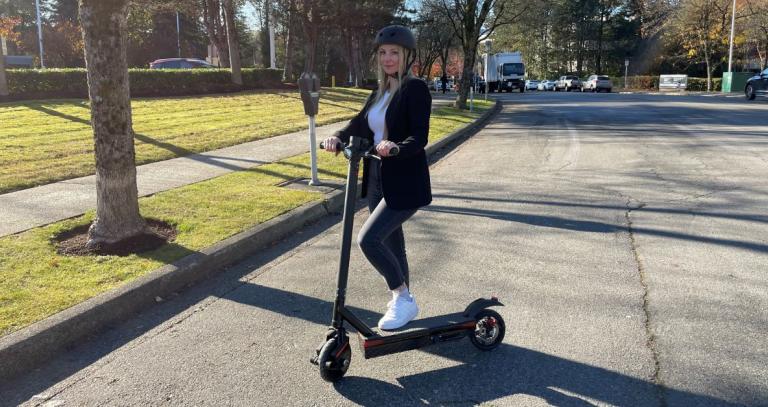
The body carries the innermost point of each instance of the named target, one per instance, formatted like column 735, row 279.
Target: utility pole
column 39, row 33
column 271, row 30
column 730, row 50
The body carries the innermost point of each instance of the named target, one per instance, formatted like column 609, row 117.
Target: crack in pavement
column 649, row 332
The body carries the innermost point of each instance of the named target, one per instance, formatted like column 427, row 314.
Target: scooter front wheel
column 489, row 330
column 334, row 360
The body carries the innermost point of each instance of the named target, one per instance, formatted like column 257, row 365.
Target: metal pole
column 178, row 35
column 472, row 98
column 730, row 51
column 39, row 33
column 626, row 67
column 272, row 58
column 313, row 151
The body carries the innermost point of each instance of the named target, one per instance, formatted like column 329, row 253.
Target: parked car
column 568, row 83
column 546, row 85
column 437, row 84
column 531, row 84
column 757, row 86
column 597, row 83
column 179, row 63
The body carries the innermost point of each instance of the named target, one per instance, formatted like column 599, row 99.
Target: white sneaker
column 401, row 311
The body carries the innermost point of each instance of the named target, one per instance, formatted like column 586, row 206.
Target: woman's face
column 389, row 58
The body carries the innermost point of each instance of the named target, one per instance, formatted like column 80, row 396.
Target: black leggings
column 381, row 237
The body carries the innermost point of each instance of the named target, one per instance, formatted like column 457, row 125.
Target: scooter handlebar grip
column 394, row 151
column 339, row 146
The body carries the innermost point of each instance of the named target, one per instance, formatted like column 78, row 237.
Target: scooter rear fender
column 481, row 303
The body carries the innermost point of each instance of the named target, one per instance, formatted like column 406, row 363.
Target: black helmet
column 396, row 34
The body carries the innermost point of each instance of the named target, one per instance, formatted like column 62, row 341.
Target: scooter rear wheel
column 333, row 365
column 489, row 330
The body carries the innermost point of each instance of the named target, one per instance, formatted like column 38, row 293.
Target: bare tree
column 311, row 20
column 104, row 25
column 473, row 21
column 756, row 13
column 215, row 27
column 290, row 39
column 232, row 41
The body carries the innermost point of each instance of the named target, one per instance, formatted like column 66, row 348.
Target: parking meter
column 309, row 88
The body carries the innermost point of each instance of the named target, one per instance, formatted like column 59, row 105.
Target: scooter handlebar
column 340, row 146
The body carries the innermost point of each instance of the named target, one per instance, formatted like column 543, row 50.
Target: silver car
column 597, row 83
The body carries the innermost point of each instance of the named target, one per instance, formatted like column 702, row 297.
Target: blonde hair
column 382, row 76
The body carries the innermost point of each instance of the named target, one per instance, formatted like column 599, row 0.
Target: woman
column 396, row 114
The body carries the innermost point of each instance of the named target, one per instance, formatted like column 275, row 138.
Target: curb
column 464, row 131
column 28, row 348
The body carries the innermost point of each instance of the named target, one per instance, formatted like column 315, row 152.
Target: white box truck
column 504, row 71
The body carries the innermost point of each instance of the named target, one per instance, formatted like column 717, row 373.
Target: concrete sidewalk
column 33, row 207
column 29, row 208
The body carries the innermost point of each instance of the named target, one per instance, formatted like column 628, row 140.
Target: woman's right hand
column 330, row 144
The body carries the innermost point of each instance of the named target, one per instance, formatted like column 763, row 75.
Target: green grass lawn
column 51, row 140
column 37, row 282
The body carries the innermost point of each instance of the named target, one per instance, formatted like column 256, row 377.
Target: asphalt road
column 624, row 233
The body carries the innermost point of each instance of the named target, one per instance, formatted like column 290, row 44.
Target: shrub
column 700, row 84
column 72, row 83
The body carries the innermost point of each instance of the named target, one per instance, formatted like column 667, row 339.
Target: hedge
column 73, row 83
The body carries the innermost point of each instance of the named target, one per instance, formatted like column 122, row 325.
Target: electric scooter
column 484, row 327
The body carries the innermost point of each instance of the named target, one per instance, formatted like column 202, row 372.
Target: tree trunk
column 444, row 56
column 466, row 77
column 3, row 81
column 358, row 59
column 310, row 19
column 600, row 41
column 289, row 34
column 709, row 74
column 105, row 33
column 213, row 27
column 234, row 47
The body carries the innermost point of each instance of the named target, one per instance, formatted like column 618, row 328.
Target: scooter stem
column 355, row 153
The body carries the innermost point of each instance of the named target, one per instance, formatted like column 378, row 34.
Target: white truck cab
column 504, row 71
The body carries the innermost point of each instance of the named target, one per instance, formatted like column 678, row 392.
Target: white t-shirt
column 377, row 118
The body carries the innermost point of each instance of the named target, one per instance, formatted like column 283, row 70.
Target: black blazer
column 405, row 177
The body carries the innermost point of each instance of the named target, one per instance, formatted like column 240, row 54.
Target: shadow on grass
column 38, row 107
column 326, row 100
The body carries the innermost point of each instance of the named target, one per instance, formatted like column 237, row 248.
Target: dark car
column 179, row 63
column 757, row 86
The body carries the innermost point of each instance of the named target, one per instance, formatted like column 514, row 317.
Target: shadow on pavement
column 591, row 226
column 482, row 376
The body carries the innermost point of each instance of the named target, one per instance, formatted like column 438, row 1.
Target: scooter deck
column 417, row 334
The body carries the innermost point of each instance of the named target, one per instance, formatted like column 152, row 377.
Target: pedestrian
column 444, row 81
column 395, row 114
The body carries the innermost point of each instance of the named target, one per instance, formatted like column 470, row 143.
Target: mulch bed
column 72, row 242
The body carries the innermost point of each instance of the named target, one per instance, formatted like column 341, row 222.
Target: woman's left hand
column 383, row 148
